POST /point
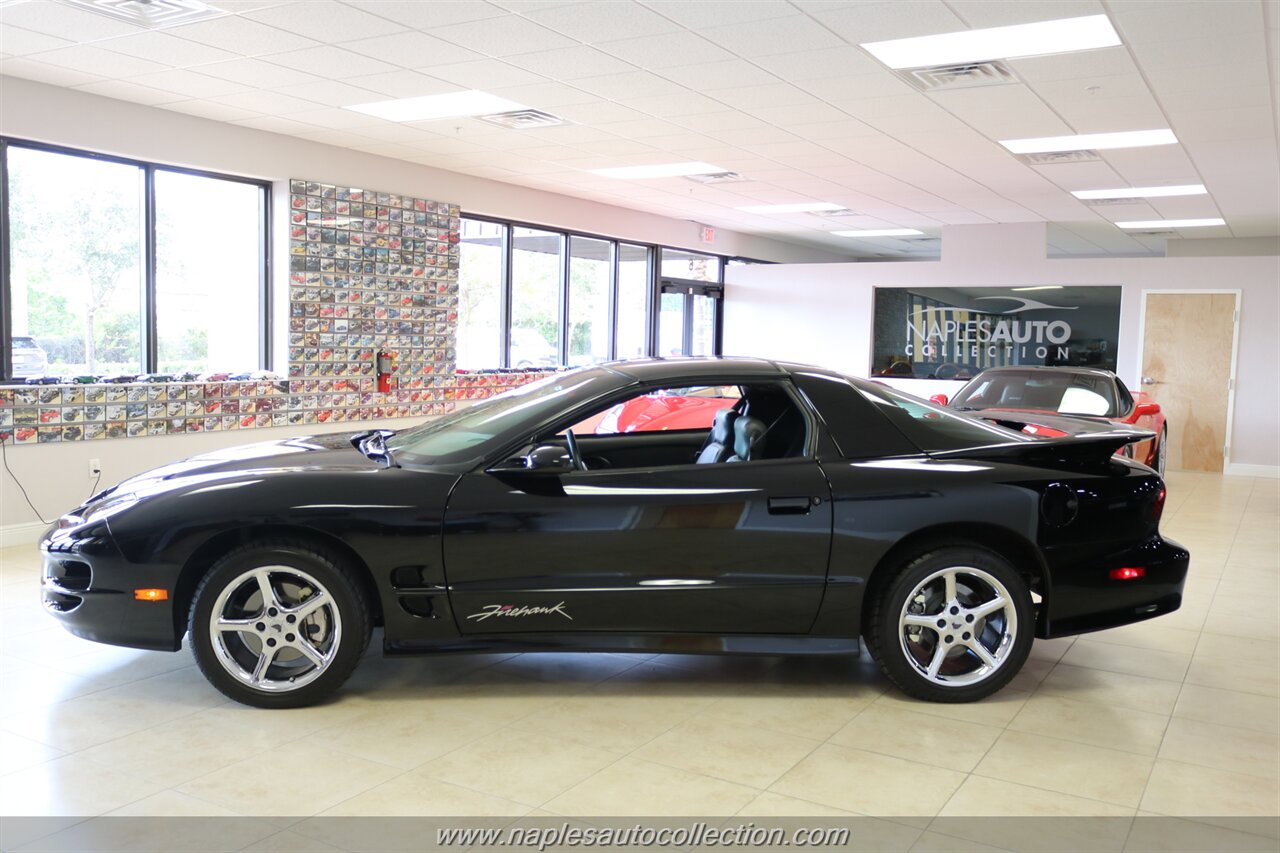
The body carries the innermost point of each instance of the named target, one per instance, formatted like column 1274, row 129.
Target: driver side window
column 702, row 424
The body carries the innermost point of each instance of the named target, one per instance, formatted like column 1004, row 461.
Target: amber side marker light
column 151, row 595
column 1127, row 573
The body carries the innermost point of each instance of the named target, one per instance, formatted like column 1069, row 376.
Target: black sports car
column 810, row 510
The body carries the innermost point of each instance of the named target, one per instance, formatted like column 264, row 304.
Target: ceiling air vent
column 967, row 75
column 844, row 211
column 150, row 13
column 717, row 178
column 1108, row 202
column 1054, row 158
column 523, row 119
column 1154, row 233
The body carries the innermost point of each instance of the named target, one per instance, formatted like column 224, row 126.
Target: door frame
column 1235, row 350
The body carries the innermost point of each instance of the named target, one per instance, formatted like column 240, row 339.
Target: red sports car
column 1081, row 394
column 690, row 408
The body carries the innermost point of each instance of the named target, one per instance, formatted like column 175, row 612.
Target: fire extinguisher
column 386, row 366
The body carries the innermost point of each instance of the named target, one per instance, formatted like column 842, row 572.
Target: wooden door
column 1186, row 368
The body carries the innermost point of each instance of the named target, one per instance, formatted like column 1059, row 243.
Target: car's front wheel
column 1162, row 450
column 954, row 624
column 279, row 624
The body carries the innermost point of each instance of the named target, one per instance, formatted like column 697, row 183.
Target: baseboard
column 1239, row 469
column 21, row 534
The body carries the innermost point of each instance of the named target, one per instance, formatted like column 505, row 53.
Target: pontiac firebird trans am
column 814, row 510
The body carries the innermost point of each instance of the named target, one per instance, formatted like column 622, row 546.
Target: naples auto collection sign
column 956, row 332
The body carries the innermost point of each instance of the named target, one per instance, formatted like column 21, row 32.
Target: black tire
column 906, row 651
column 1161, row 450
column 312, row 651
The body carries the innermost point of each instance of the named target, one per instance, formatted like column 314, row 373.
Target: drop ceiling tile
column 882, row 84
column 859, row 23
column 1185, row 207
column 341, row 138
column 630, row 86
column 1001, row 13
column 403, row 133
column 724, row 119
column 666, row 51
column 420, row 16
column 761, row 135
column 268, row 103
column 723, row 74
column 256, row 73
column 65, row 22
column 600, row 113
column 601, row 22
column 331, row 93
column 679, row 142
column 325, row 21
column 770, row 95
column 411, row 50
column 1112, row 114
column 502, row 36
column 1197, row 53
column 403, row 84
column 569, row 63
column 89, row 59
column 1091, row 89
column 210, row 110
column 329, row 61
column 712, row 13
column 332, row 118
column 1220, row 124
column 166, row 49
column 1140, row 23
column 792, row 34
column 788, row 115
column 642, row 128
column 123, row 90
column 617, row 147
column 553, row 153
column 1002, row 112
column 486, row 74
column 1210, row 78
column 842, row 61
column 1103, row 62
column 842, row 128
column 16, row 41
column 544, row 96
column 241, row 36
column 275, row 124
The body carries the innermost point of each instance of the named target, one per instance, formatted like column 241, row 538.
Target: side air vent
column 523, row 119
column 1054, row 158
column 967, row 75
column 150, row 13
column 717, row 178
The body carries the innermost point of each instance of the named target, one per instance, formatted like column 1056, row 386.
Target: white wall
column 822, row 314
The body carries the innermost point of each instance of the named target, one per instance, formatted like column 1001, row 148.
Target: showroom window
column 114, row 267
column 535, row 297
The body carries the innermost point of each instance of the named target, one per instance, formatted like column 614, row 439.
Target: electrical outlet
column 95, row 467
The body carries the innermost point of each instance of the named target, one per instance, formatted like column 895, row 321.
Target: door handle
column 789, row 506
column 1148, row 380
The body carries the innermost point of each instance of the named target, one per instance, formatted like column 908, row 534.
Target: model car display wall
column 369, row 272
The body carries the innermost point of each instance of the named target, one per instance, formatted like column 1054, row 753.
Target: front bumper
column 87, row 585
column 1084, row 598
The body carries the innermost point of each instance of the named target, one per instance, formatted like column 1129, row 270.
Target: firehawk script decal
column 512, row 610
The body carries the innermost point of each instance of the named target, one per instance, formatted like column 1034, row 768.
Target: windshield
column 468, row 435
column 1065, row 392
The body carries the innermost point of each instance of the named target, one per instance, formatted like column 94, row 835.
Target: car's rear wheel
column 954, row 624
column 1162, row 450
column 279, row 624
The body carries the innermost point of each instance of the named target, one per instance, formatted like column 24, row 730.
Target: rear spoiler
column 1093, row 448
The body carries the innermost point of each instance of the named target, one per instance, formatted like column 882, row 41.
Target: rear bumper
column 1084, row 598
column 87, row 585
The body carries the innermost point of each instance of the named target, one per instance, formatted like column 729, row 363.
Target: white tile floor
column 1177, row 716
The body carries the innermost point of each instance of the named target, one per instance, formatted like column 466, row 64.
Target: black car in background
column 814, row 510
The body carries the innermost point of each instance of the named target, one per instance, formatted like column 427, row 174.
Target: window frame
column 148, row 240
column 654, row 281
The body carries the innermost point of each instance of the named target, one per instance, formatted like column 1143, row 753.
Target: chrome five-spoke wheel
column 279, row 624
column 275, row 628
column 958, row 626
column 953, row 623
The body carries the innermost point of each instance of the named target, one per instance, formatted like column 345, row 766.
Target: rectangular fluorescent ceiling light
column 1172, row 223
column 428, row 107
column 1141, row 192
column 659, row 170
column 1090, row 141
column 802, row 207
column 1038, row 39
column 881, row 232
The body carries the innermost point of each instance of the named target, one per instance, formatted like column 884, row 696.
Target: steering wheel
column 575, row 457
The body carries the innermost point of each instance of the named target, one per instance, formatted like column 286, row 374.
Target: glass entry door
column 689, row 318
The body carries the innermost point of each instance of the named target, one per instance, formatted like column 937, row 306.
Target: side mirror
column 940, row 399
column 542, row 461
column 1144, row 410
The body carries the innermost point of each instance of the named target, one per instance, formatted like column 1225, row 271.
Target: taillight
column 1127, row 573
column 1157, row 506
